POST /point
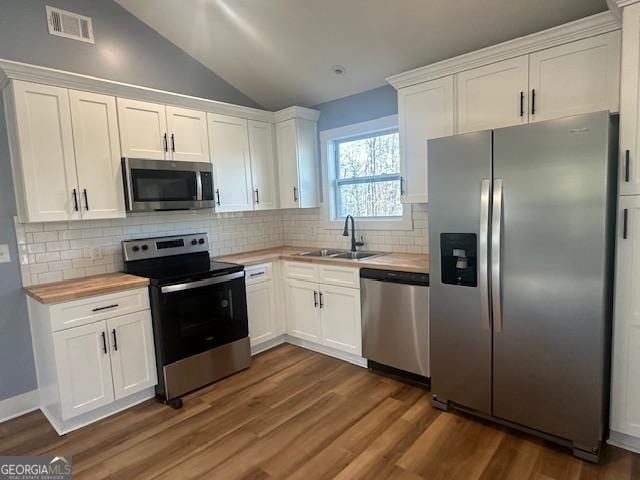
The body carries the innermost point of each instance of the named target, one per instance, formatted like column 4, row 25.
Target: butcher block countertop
column 401, row 262
column 85, row 287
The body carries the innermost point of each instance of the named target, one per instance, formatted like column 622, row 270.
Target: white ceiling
column 280, row 52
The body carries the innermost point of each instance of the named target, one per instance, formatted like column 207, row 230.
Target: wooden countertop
column 85, row 287
column 401, row 262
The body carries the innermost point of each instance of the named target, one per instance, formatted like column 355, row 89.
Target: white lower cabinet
column 323, row 313
column 92, row 367
column 261, row 304
column 133, row 362
column 84, row 368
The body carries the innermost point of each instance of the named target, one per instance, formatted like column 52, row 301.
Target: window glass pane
column 371, row 199
column 367, row 157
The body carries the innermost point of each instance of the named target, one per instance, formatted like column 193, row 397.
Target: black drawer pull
column 256, row 274
column 106, row 307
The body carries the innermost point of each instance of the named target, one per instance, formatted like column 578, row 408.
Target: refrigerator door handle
column 496, row 241
column 483, row 254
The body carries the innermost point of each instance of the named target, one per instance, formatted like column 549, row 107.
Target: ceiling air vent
column 69, row 25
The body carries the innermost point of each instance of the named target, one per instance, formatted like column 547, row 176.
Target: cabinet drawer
column 301, row 271
column 339, row 276
column 258, row 273
column 87, row 310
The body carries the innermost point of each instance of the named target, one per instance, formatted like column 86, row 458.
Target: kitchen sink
column 323, row 253
column 358, row 255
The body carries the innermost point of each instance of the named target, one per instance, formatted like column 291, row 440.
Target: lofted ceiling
column 281, row 52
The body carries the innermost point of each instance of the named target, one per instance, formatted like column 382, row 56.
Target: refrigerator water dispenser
column 458, row 259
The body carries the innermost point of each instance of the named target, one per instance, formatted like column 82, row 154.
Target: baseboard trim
column 622, row 440
column 332, row 352
column 19, row 405
column 267, row 345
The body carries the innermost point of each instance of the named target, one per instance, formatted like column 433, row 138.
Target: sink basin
column 358, row 255
column 323, row 253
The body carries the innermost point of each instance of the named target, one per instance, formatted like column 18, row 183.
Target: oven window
column 203, row 318
column 163, row 185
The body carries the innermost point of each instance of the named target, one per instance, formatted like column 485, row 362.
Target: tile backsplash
column 56, row 251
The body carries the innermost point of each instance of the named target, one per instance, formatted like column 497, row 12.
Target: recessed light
column 338, row 69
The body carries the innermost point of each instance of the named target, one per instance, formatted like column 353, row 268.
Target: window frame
column 329, row 140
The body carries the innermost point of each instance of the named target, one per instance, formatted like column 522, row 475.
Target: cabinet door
column 188, row 137
column 424, row 111
column 629, row 179
column 133, row 358
column 229, row 141
column 84, row 369
column 97, row 148
column 340, row 314
column 143, row 129
column 578, row 77
column 493, row 96
column 287, row 147
column 261, row 310
column 43, row 152
column 625, row 392
column 263, row 165
column 308, row 163
column 303, row 312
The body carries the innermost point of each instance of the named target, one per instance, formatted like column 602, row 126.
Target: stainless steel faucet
column 345, row 233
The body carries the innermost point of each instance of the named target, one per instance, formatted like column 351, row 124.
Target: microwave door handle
column 199, row 186
column 129, row 184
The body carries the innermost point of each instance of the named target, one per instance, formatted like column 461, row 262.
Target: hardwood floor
column 301, row 415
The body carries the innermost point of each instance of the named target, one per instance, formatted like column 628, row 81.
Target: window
column 367, row 182
column 361, row 165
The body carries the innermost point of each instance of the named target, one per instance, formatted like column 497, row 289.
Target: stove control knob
column 194, row 242
column 201, row 241
column 135, row 248
column 145, row 247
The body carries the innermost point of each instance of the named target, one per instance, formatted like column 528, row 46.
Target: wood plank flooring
column 301, row 415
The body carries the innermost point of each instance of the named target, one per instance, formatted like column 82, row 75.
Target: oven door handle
column 179, row 287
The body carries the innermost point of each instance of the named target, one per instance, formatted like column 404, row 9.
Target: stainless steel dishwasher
column 395, row 320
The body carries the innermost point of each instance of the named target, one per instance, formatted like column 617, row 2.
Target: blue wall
column 126, row 50
column 376, row 103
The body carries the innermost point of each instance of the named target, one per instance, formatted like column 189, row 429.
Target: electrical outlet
column 4, row 253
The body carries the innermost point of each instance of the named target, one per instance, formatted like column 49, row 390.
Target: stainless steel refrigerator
column 521, row 236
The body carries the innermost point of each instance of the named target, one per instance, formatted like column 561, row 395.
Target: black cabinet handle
column 173, row 142
column 295, row 194
column 86, row 198
column 315, row 299
column 522, row 104
column 164, row 142
column 106, row 307
column 626, row 165
column 218, row 196
column 321, row 300
column 75, row 200
column 401, row 185
column 625, row 215
column 257, row 197
column 533, row 101
column 115, row 340
column 104, row 342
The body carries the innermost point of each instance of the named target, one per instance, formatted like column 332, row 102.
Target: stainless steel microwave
column 156, row 185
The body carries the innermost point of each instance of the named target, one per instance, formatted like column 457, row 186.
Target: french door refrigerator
column 521, row 223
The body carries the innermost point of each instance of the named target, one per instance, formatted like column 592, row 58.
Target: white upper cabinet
column 578, row 77
column 263, row 165
column 424, row 111
column 187, row 134
column 229, row 141
column 132, row 354
column 297, row 163
column 83, row 368
column 41, row 142
column 143, row 129
column 97, row 152
column 493, row 96
column 629, row 178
